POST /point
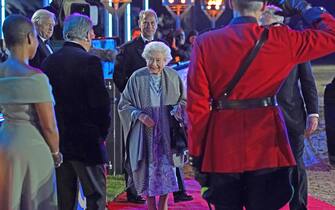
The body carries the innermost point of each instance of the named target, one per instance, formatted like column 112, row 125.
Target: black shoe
column 136, row 199
column 182, row 197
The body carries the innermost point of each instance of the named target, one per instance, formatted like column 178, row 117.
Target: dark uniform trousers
column 298, row 173
column 256, row 190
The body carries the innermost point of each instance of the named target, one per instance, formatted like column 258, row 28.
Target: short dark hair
column 190, row 34
column 15, row 29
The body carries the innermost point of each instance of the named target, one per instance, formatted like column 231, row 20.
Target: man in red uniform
column 241, row 146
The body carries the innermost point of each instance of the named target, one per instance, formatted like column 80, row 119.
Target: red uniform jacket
column 233, row 141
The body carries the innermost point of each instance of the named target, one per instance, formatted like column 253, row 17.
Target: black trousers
column 298, row 173
column 180, row 180
column 258, row 190
column 92, row 180
column 130, row 186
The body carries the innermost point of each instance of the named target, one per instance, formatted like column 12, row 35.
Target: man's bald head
column 15, row 29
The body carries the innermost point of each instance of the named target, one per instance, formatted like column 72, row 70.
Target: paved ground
column 322, row 186
column 321, row 175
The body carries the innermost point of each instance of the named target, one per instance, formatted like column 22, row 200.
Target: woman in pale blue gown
column 29, row 142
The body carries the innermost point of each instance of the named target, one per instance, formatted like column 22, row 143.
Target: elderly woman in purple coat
column 144, row 112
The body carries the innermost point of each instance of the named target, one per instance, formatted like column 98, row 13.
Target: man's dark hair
column 15, row 29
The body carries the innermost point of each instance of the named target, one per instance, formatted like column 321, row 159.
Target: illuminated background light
column 146, row 4
column 115, row 8
column 178, row 8
column 213, row 9
column 2, row 18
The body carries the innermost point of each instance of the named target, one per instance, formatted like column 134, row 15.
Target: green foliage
column 115, row 186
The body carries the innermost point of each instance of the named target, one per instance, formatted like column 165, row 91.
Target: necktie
column 47, row 44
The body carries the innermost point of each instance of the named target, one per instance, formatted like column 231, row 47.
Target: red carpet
column 198, row 203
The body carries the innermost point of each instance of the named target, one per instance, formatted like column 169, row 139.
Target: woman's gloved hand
column 291, row 7
column 147, row 120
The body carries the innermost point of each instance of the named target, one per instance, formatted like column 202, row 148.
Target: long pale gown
column 27, row 169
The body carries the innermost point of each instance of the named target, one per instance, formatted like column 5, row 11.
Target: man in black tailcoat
column 298, row 100
column 298, row 96
column 82, row 112
column 44, row 22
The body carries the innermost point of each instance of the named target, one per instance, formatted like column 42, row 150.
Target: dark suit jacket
column 296, row 98
column 82, row 103
column 127, row 61
column 329, row 100
column 41, row 53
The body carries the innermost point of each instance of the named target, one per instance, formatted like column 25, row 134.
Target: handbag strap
column 244, row 66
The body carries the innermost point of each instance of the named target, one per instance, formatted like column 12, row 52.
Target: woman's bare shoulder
column 16, row 69
column 32, row 71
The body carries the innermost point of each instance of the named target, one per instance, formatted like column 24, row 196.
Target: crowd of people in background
column 57, row 109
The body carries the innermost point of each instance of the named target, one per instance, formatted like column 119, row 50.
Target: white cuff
column 314, row 115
